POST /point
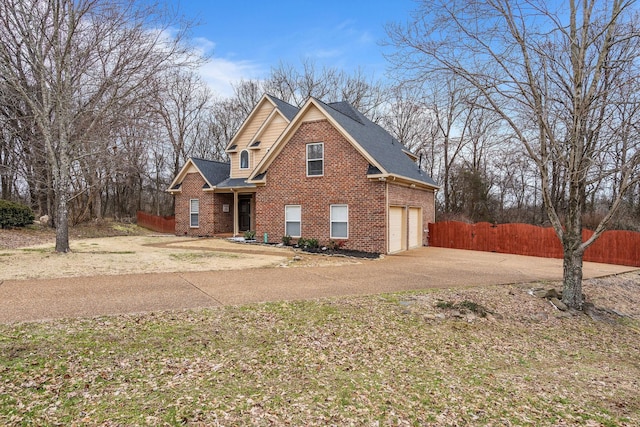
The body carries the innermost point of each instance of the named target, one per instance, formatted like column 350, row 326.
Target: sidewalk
column 33, row 300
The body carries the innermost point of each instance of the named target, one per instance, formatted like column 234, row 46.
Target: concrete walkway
column 33, row 300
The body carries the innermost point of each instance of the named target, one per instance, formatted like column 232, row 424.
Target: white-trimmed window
column 339, row 221
column 194, row 213
column 244, row 159
column 315, row 159
column 292, row 220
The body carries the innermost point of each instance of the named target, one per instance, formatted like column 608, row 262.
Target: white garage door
column 415, row 228
column 396, row 229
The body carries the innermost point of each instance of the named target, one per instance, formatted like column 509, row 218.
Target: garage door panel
column 415, row 228
column 396, row 229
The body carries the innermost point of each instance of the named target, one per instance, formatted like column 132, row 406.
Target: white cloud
column 220, row 73
column 204, row 45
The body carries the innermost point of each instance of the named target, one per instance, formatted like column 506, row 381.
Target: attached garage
column 405, row 226
column 397, row 229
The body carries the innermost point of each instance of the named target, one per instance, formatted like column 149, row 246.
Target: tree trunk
column 62, row 217
column 96, row 200
column 572, row 277
column 62, row 181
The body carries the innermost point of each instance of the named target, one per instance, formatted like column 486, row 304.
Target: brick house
column 323, row 171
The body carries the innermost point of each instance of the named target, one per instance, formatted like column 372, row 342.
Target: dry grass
column 423, row 358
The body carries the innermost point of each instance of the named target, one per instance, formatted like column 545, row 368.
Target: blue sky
column 246, row 38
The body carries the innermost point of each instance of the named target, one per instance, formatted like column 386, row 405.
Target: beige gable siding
column 245, row 138
column 313, row 114
column 191, row 169
column 269, row 137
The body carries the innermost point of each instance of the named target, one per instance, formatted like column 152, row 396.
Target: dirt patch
column 37, row 234
column 28, row 253
column 127, row 254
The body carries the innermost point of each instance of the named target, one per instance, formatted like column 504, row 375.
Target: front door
column 244, row 214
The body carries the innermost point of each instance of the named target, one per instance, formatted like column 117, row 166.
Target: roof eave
column 409, row 181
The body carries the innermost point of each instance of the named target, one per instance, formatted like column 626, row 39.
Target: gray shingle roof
column 234, row 183
column 385, row 149
column 213, row 171
column 288, row 110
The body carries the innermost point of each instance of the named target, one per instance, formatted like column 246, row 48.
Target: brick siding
column 192, row 189
column 223, row 220
column 344, row 182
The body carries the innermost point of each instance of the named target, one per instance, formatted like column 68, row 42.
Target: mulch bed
column 342, row 252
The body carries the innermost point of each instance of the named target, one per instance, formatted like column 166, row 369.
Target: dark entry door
column 244, row 214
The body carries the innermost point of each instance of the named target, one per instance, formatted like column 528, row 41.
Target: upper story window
column 315, row 159
column 244, row 159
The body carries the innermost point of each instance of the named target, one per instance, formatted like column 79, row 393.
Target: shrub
column 286, row 240
column 14, row 214
column 336, row 246
column 249, row 235
column 308, row 243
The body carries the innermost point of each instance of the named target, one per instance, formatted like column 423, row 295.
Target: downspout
column 386, row 214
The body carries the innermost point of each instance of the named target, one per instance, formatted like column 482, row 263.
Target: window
column 194, row 211
column 339, row 221
column 244, row 159
column 292, row 216
column 315, row 159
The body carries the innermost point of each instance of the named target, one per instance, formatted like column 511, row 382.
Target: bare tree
column 182, row 102
column 408, row 118
column 75, row 62
column 556, row 78
column 247, row 93
column 297, row 84
column 220, row 125
column 450, row 100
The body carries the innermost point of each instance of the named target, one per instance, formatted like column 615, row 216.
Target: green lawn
column 402, row 359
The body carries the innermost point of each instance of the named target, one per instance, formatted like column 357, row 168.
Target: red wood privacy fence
column 161, row 224
column 613, row 247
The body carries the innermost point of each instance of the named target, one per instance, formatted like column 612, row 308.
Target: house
column 322, row 171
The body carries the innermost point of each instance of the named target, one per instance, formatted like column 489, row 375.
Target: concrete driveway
column 32, row 300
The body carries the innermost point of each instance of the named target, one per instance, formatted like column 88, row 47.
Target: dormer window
column 244, row 159
column 315, row 159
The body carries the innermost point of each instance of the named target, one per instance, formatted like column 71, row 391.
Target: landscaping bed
column 341, row 252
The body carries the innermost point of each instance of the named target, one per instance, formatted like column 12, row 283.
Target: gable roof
column 212, row 171
column 377, row 142
column 285, row 109
column 386, row 155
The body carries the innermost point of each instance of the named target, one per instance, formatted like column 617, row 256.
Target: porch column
column 235, row 213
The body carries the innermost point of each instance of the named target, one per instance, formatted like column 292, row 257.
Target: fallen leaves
column 380, row 360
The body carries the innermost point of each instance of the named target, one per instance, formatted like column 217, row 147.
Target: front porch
column 234, row 212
